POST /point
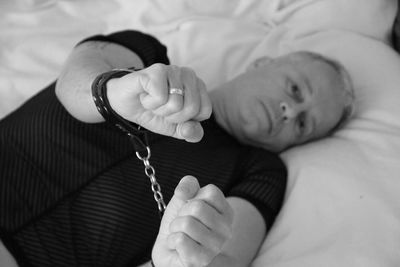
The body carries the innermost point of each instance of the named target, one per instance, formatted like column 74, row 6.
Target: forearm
column 248, row 234
column 85, row 63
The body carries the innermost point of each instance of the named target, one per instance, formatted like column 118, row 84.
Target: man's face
column 281, row 102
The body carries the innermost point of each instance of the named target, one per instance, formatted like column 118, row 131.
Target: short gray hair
column 347, row 86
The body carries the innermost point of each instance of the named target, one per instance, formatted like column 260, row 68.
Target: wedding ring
column 176, row 91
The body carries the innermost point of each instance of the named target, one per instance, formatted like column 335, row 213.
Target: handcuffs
column 136, row 134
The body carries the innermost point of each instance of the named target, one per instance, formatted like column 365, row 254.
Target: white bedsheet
column 342, row 206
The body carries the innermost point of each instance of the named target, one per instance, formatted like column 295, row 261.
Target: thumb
column 191, row 131
column 187, row 188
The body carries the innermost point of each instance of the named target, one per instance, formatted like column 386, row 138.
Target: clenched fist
column 145, row 98
column 195, row 226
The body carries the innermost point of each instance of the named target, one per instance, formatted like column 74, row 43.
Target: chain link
column 151, row 174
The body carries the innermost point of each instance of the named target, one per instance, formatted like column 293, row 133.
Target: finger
column 190, row 252
column 191, row 98
column 208, row 216
column 155, row 85
column 175, row 101
column 187, row 188
column 205, row 102
column 198, row 232
column 190, row 131
column 215, row 198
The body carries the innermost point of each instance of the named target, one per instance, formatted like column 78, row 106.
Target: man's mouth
column 274, row 122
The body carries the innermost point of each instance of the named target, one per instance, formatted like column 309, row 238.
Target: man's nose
column 289, row 111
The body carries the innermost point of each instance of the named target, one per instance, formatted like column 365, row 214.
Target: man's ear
column 259, row 62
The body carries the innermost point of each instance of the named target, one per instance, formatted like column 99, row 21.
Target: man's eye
column 296, row 92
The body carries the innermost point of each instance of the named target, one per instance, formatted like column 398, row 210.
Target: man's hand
column 145, row 97
column 195, row 226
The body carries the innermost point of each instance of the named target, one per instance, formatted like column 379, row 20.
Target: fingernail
column 182, row 187
column 188, row 132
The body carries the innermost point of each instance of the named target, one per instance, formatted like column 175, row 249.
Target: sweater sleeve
column 148, row 48
column 263, row 183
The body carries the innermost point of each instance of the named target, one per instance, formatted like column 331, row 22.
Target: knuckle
column 202, row 84
column 188, row 72
column 197, row 207
column 175, row 70
column 174, row 67
column 186, row 224
column 212, row 191
column 180, row 240
column 174, row 106
column 191, row 110
column 157, row 71
column 158, row 67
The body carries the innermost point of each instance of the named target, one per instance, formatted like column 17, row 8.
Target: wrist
column 113, row 94
column 101, row 92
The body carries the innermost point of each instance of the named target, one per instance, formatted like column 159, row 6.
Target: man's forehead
column 294, row 61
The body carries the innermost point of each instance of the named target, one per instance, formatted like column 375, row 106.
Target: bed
column 342, row 206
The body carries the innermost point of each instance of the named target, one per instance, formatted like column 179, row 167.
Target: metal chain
column 151, row 174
